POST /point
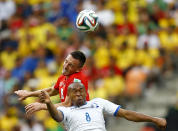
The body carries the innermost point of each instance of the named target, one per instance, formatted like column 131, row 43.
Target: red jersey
column 63, row 82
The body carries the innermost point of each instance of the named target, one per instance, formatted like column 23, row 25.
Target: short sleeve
column 109, row 107
column 56, row 86
column 64, row 112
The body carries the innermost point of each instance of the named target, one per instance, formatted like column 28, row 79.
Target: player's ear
column 68, row 92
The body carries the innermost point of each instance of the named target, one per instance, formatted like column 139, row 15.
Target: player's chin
column 65, row 73
column 79, row 102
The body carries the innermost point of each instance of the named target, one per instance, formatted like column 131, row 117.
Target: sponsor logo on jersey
column 94, row 105
column 61, row 84
column 77, row 80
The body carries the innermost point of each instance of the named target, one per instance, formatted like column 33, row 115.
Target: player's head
column 77, row 93
column 73, row 63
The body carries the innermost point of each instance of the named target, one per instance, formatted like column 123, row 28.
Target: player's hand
column 33, row 107
column 161, row 123
column 44, row 97
column 22, row 94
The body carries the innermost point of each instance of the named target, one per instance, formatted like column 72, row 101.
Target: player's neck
column 67, row 77
column 79, row 104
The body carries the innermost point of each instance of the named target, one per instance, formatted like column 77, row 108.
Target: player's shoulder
column 79, row 75
column 61, row 77
column 97, row 100
column 63, row 109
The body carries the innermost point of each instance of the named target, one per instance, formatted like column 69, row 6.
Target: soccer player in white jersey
column 88, row 115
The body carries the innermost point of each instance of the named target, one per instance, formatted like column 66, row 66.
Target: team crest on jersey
column 61, row 84
column 77, row 80
column 94, row 105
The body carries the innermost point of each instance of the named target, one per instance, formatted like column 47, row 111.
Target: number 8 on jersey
column 88, row 119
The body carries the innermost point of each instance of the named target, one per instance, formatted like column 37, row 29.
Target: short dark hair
column 72, row 85
column 79, row 56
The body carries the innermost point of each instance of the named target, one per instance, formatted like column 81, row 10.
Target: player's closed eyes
column 68, row 64
column 80, row 90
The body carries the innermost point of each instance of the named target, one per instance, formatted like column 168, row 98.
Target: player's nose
column 78, row 93
column 65, row 66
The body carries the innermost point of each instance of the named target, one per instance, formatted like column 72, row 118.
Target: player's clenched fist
column 161, row 122
column 22, row 94
column 44, row 97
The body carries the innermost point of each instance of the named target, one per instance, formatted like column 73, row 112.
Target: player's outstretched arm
column 139, row 117
column 23, row 94
column 37, row 106
column 55, row 114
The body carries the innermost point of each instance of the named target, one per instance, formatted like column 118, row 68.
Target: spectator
column 7, row 9
column 106, row 17
column 32, row 125
column 10, row 116
column 151, row 39
column 8, row 57
column 18, row 71
column 8, row 82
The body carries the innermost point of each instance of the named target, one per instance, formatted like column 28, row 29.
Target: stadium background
column 132, row 57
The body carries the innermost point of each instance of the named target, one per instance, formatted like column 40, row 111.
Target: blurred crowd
column 134, row 46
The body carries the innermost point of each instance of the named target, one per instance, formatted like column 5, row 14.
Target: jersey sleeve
column 56, row 86
column 109, row 107
column 64, row 112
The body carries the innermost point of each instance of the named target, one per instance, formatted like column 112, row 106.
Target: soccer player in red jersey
column 72, row 72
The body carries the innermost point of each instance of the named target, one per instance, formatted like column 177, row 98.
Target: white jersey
column 88, row 117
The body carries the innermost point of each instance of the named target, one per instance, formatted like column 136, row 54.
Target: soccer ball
column 87, row 20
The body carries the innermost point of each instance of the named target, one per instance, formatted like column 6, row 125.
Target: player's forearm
column 34, row 93
column 50, row 91
column 138, row 117
column 44, row 107
column 56, row 115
